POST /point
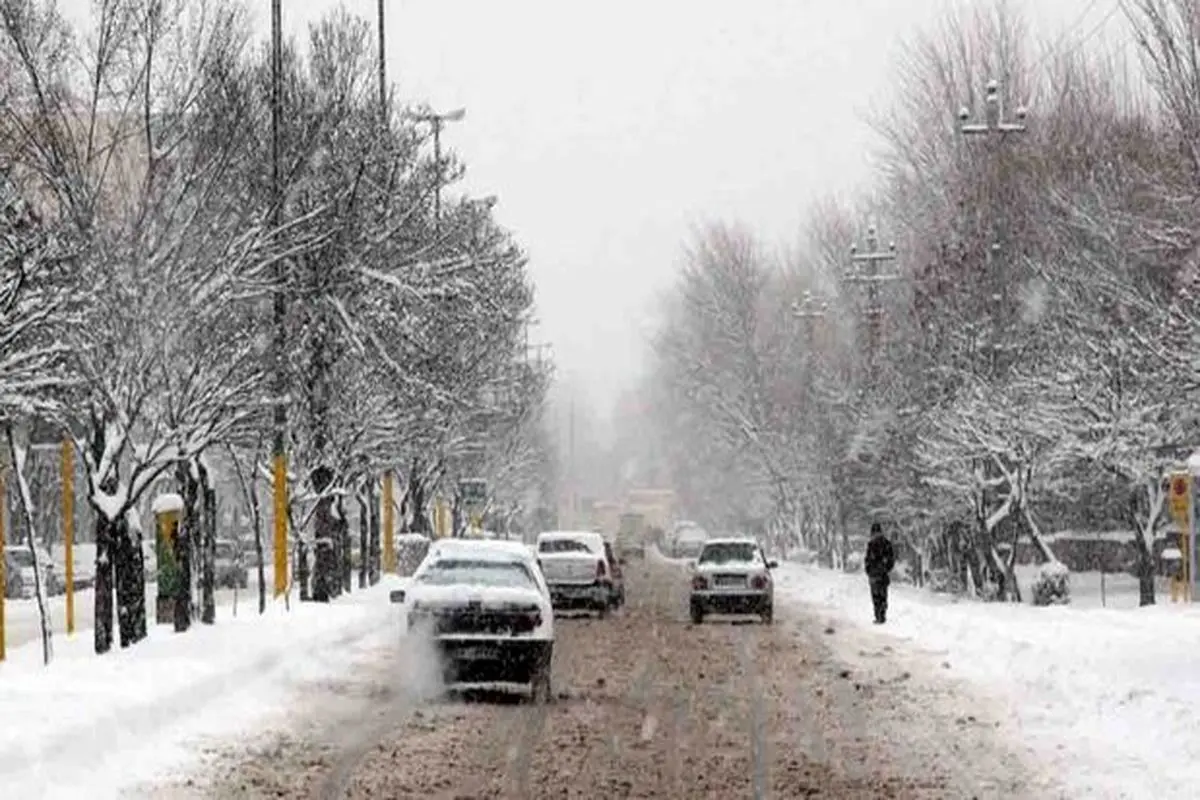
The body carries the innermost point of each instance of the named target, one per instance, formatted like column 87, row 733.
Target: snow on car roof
column 411, row 537
column 483, row 548
column 587, row 536
column 733, row 540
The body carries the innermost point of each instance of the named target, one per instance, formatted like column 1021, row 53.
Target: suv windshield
column 21, row 558
column 562, row 546
column 730, row 553
column 449, row 572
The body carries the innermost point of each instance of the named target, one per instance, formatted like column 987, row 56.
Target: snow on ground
column 1095, row 589
column 89, row 726
column 1104, row 696
column 23, row 624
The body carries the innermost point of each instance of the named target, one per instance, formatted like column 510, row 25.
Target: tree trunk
column 324, row 531
column 25, row 498
column 344, row 549
column 208, row 549
column 364, row 524
column 130, row 574
column 258, row 548
column 374, row 555
column 103, row 587
column 1142, row 537
column 416, row 499
column 187, row 534
column 303, row 573
column 103, row 632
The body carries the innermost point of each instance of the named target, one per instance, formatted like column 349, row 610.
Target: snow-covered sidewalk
column 1105, row 698
column 88, row 726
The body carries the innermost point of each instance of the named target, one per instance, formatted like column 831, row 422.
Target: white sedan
column 732, row 576
column 486, row 607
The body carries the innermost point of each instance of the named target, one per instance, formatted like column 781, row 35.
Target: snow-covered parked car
column 19, row 574
column 732, row 576
column 486, row 607
column 229, row 566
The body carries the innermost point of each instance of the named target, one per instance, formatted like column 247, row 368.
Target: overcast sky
column 608, row 128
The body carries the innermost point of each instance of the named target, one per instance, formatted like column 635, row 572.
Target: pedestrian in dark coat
column 881, row 557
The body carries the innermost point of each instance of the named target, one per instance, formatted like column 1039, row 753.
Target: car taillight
column 699, row 582
column 759, row 582
column 600, row 570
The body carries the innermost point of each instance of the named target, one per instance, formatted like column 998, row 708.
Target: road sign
column 473, row 492
column 1179, row 498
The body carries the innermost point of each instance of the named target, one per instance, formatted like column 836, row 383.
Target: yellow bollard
column 68, row 521
column 389, row 522
column 442, row 512
column 281, row 524
column 167, row 525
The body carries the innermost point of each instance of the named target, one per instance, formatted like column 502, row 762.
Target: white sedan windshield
column 730, row 553
column 467, row 572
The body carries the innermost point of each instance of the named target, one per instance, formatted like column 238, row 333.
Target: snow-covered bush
column 854, row 562
column 803, row 556
column 944, row 581
column 1052, row 586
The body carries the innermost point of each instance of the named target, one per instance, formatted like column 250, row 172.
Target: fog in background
column 609, row 130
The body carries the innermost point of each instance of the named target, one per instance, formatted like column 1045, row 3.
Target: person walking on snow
column 878, row 565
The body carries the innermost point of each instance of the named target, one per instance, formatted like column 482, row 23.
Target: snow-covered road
column 1097, row 702
column 650, row 705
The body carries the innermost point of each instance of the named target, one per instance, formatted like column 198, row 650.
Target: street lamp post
column 438, row 121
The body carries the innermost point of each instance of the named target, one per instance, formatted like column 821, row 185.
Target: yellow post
column 279, row 472
column 442, row 518
column 167, row 527
column 68, row 522
column 1179, row 506
column 3, row 560
column 389, row 521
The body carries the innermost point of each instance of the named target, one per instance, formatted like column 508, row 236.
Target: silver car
column 732, row 576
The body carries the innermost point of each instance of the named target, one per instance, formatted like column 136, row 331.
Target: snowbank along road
column 648, row 705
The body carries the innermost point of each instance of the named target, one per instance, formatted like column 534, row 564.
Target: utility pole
column 866, row 270
column 994, row 127
column 571, row 459
column 438, row 121
column 814, row 310
column 279, row 461
column 810, row 308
